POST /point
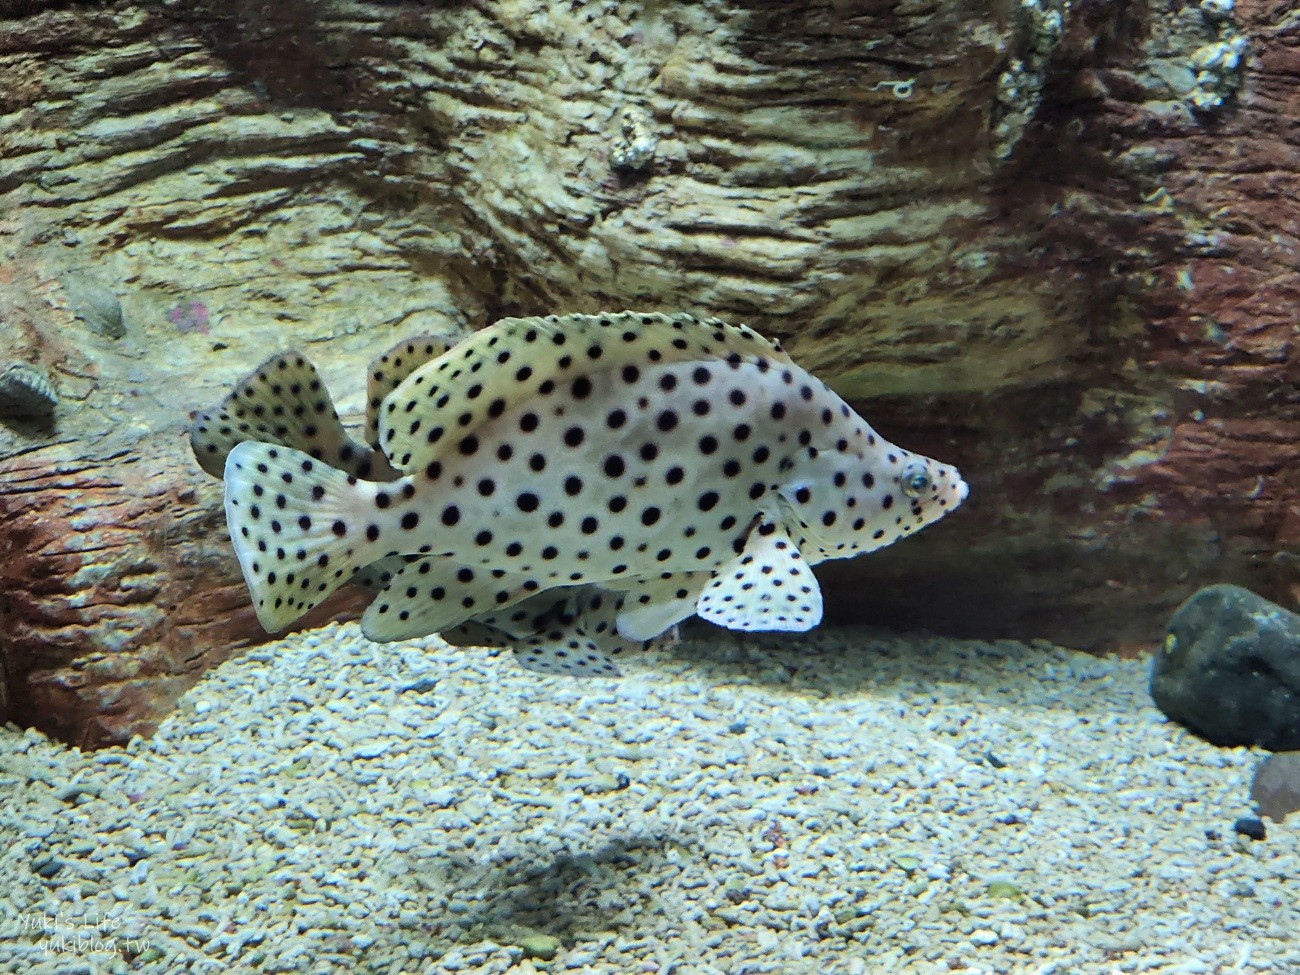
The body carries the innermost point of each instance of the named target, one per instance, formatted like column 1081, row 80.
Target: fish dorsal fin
column 282, row 402
column 654, row 605
column 388, row 371
column 768, row 586
column 518, row 359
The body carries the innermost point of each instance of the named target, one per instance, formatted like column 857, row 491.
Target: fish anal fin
column 430, row 595
column 377, row 575
column 569, row 653
column 472, row 633
column 768, row 586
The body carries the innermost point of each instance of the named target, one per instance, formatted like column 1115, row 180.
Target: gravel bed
column 843, row 803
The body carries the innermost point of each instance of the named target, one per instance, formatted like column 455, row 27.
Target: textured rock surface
column 1230, row 670
column 1030, row 243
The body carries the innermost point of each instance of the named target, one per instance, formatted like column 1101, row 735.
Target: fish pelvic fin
column 301, row 528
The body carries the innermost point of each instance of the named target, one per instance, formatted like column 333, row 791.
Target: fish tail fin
column 282, row 402
column 300, row 528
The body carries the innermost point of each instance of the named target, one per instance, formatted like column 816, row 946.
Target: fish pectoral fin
column 282, row 402
column 387, row 372
column 767, row 587
column 569, row 652
column 434, row 594
column 651, row 606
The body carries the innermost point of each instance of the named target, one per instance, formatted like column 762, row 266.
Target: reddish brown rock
column 1035, row 247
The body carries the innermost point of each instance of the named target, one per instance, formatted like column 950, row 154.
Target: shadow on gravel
column 569, row 898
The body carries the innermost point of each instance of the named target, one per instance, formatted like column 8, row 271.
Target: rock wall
column 1053, row 243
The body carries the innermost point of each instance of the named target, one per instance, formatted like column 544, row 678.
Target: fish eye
column 915, row 479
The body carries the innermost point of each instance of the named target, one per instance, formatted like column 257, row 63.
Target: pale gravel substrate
column 328, row 805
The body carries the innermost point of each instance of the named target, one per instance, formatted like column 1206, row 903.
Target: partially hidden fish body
column 284, row 403
column 577, row 485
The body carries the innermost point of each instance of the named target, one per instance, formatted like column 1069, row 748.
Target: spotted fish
column 284, row 402
column 678, row 465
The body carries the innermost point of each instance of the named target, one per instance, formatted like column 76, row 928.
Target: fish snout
column 960, row 490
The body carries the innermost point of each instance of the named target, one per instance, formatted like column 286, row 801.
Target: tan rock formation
column 1053, row 243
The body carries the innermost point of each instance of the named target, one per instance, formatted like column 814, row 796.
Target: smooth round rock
column 1229, row 670
column 95, row 304
column 1275, row 789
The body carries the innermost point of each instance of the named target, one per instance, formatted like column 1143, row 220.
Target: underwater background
column 1053, row 244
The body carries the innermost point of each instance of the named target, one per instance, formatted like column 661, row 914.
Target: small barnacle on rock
column 1040, row 25
column 1218, row 72
column 95, row 304
column 26, row 393
column 1217, row 9
column 636, row 151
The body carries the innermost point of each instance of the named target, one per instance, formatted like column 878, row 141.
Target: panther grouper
column 682, row 465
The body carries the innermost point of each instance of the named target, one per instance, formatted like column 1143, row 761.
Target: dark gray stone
column 1251, row 827
column 1229, row 669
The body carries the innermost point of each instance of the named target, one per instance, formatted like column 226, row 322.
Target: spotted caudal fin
column 768, row 586
column 282, row 402
column 387, row 372
column 301, row 528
